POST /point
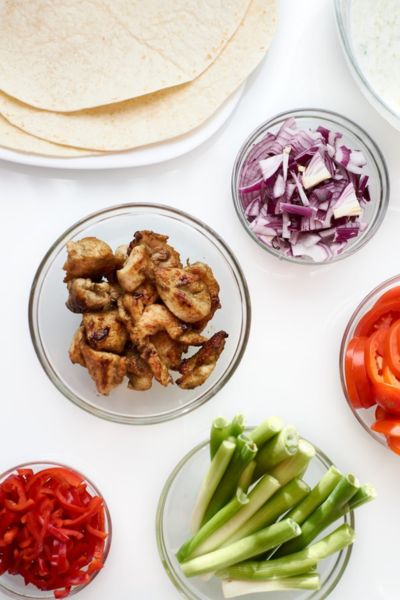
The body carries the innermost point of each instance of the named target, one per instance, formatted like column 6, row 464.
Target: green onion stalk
column 211, row 481
column 283, row 500
column 324, row 515
column 292, row 564
column 279, row 448
column 243, row 455
column 232, row 588
column 250, row 546
column 266, row 431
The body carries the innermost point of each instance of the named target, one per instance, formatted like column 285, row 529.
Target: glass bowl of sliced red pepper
column 370, row 363
column 55, row 531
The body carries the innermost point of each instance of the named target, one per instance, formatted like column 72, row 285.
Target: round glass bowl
column 343, row 10
column 365, row 416
column 353, row 137
column 14, row 585
column 52, row 325
column 172, row 527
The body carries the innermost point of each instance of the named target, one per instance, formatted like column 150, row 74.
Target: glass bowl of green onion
column 247, row 543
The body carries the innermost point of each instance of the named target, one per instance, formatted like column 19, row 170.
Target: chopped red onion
column 303, row 192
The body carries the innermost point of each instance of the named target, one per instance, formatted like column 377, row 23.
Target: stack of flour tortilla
column 80, row 77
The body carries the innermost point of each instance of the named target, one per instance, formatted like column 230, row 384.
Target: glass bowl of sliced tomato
column 55, row 531
column 370, row 363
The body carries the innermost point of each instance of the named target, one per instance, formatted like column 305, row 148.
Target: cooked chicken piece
column 157, row 318
column 138, row 371
column 135, row 268
column 161, row 253
column 184, row 293
column 89, row 257
column 105, row 368
column 121, row 254
column 131, row 306
column 159, row 369
column 207, row 276
column 170, row 351
column 104, row 331
column 75, row 351
column 86, row 296
column 191, row 294
column 196, row 369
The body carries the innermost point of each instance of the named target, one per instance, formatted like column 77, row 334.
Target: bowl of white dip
column 370, row 34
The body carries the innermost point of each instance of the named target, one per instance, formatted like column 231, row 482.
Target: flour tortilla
column 15, row 139
column 67, row 55
column 164, row 115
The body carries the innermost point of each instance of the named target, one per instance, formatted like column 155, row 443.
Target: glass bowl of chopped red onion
column 310, row 186
column 55, row 531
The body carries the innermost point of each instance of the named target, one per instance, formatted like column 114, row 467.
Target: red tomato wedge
column 394, row 444
column 389, row 427
column 381, row 315
column 392, row 349
column 359, row 374
column 388, row 397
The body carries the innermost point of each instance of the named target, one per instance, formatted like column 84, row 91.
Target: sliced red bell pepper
column 380, row 315
column 394, row 444
column 392, row 348
column 360, row 375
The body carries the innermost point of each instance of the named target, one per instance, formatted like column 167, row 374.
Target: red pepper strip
column 66, row 504
column 96, row 532
column 18, row 506
column 62, row 593
column 94, row 506
column 25, row 472
column 59, row 474
column 389, row 427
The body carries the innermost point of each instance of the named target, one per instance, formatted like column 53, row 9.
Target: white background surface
column 299, row 313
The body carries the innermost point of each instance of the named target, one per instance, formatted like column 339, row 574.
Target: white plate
column 148, row 155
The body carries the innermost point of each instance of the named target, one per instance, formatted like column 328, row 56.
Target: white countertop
column 299, row 313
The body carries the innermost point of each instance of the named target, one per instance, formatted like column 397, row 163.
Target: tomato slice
column 392, row 349
column 381, row 414
column 394, row 444
column 374, row 350
column 392, row 294
column 348, row 370
column 388, row 397
column 389, row 427
column 360, row 375
column 380, row 315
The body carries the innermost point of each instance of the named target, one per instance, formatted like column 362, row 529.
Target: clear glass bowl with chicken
column 158, row 314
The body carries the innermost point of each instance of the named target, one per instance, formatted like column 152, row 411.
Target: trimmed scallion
column 232, row 588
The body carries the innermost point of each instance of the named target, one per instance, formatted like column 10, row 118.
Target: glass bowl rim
column 228, row 257
column 161, row 545
column 345, row 38
column 354, row 318
column 51, row 463
column 355, row 130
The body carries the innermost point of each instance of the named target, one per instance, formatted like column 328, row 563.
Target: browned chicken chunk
column 86, row 296
column 135, row 268
column 157, row 318
column 207, row 276
column 170, row 351
column 89, row 257
column 159, row 369
column 131, row 306
column 138, row 371
column 105, row 368
column 104, row 331
column 121, row 254
column 75, row 350
column 196, row 369
column 161, row 253
column 184, row 293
